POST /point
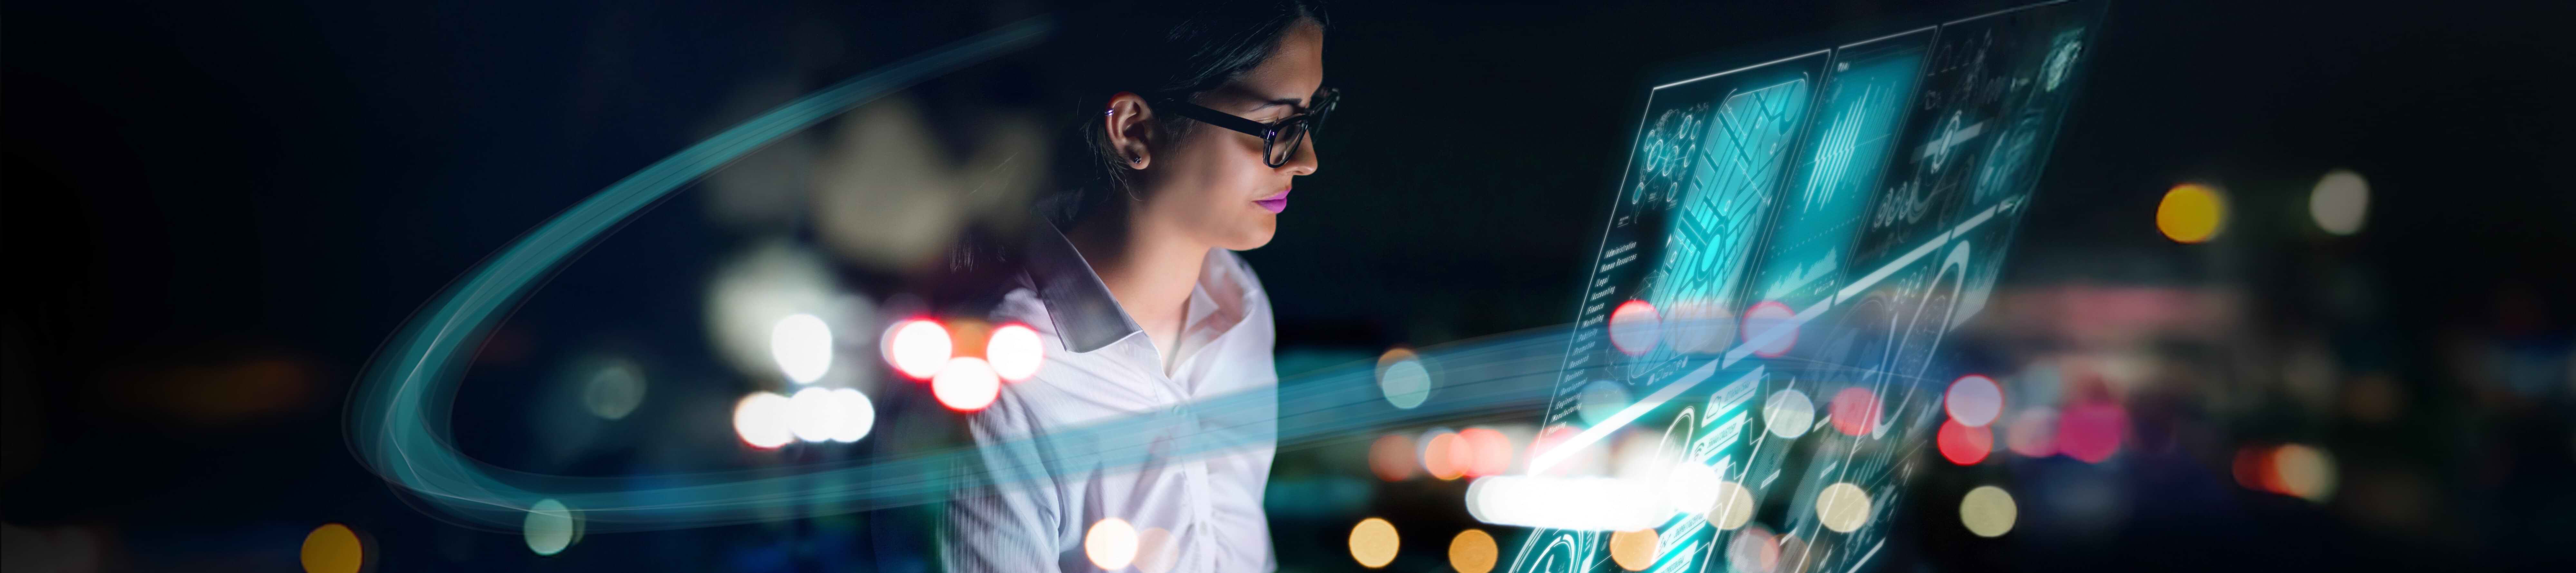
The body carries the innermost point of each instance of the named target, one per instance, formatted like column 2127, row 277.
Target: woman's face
column 1210, row 185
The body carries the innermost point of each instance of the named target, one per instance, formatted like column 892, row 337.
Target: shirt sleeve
column 1003, row 513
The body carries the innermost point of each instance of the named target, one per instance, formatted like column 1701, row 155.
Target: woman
column 1144, row 308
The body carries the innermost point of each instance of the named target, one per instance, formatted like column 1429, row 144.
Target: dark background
column 215, row 212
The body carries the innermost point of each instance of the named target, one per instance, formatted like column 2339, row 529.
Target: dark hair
column 1155, row 48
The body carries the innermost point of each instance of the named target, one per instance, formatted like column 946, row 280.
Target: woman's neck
column 1150, row 273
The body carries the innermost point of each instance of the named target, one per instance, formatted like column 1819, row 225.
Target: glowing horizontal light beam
column 1568, row 503
column 1601, row 430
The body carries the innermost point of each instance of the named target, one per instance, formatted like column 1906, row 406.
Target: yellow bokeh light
column 333, row 548
column 1989, row 511
column 2304, row 471
column 1843, row 507
column 1633, row 550
column 2191, row 213
column 1111, row 544
column 1473, row 551
column 1373, row 543
column 1734, row 506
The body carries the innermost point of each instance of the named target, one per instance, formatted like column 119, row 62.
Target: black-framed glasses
column 1279, row 140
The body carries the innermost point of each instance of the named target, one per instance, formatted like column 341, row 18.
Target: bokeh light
column 814, row 415
column 761, row 419
column 1111, row 543
column 1762, row 319
column 1988, row 511
column 1015, row 352
column 1789, row 413
column 754, row 292
column 2191, row 213
column 1489, row 451
column 1444, row 455
column 2340, row 202
column 802, row 346
column 1699, row 328
column 333, row 548
column 1734, row 506
column 1964, row 444
column 1635, row 327
column 1391, row 457
column 1156, row 550
column 1633, row 550
column 1973, row 400
column 1402, row 379
column 548, row 526
column 1373, row 543
column 1600, row 400
column 2033, row 433
column 614, row 391
column 1579, row 461
column 1473, row 551
column 966, row 384
column 1843, row 507
column 1855, row 411
column 2091, row 432
column 1753, row 550
column 918, row 348
column 858, row 415
column 2303, row 471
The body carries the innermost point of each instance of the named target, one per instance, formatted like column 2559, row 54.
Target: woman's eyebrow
column 1299, row 103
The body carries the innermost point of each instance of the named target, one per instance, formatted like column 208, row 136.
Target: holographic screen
column 1757, row 363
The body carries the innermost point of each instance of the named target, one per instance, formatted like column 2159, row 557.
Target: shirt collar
column 1087, row 318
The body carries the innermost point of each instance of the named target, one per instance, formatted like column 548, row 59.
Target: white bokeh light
column 966, row 384
column 762, row 420
column 858, row 415
column 917, row 347
column 1015, row 352
column 2340, row 202
column 802, row 345
column 814, row 415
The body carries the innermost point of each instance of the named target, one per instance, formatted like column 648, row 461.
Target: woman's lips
column 1275, row 203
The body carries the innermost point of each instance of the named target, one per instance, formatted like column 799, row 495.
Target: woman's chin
column 1253, row 235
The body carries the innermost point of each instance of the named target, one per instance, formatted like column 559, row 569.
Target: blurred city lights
column 1635, row 327
column 1843, row 507
column 1973, row 400
column 1111, row 543
column 2289, row 469
column 1988, row 511
column 1602, row 399
column 1734, row 506
column 614, row 391
column 1156, row 550
column 1964, row 444
column 762, row 419
column 1789, row 413
column 966, row 384
column 858, row 415
column 1015, row 352
column 918, row 348
column 1391, row 457
column 1773, row 323
column 1444, row 455
column 2091, row 432
column 2033, row 433
column 1373, row 543
column 802, row 345
column 1571, row 503
column 1855, row 411
column 1488, row 450
column 2191, row 213
column 1633, row 550
column 814, row 415
column 1402, row 378
column 1753, row 551
column 1473, row 551
column 2340, row 202
column 548, row 527
column 333, row 548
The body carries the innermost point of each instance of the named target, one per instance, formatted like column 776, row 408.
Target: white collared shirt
column 1194, row 513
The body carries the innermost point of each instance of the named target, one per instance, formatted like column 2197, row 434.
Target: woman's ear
column 1130, row 127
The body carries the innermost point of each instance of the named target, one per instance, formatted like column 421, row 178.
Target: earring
column 1136, row 160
